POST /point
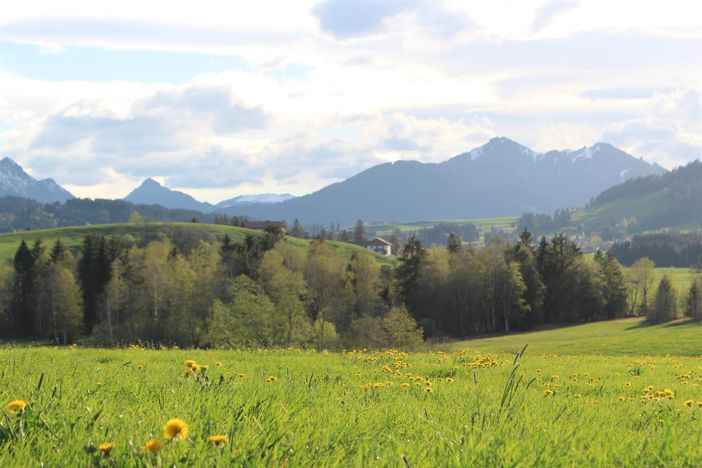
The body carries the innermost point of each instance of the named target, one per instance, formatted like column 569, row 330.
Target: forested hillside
column 261, row 289
column 23, row 214
column 672, row 200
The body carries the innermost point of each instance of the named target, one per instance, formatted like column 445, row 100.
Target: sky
column 221, row 98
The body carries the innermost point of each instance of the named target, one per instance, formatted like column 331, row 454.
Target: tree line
column 261, row 291
column 502, row 287
column 667, row 249
column 265, row 291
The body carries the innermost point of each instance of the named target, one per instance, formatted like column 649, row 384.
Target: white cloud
column 321, row 96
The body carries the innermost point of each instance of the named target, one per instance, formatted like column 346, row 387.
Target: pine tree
column 614, row 285
column 665, row 303
column 23, row 298
column 58, row 252
column 694, row 300
column 297, row 229
column 407, row 273
column 454, row 243
column 359, row 233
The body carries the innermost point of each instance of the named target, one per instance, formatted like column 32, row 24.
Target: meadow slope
column 296, row 407
column 73, row 236
column 630, row 336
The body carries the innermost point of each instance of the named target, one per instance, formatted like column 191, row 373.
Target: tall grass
column 348, row 409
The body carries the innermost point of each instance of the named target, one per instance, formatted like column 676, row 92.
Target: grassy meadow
column 600, row 394
column 506, row 224
column 72, row 237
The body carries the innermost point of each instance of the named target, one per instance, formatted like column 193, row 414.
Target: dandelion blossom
column 175, row 429
column 218, row 364
column 106, row 448
column 154, row 446
column 429, row 390
column 271, row 378
column 689, row 402
column 218, row 439
column 548, row 392
column 190, row 363
column 16, row 405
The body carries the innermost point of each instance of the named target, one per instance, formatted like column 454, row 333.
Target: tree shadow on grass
column 674, row 323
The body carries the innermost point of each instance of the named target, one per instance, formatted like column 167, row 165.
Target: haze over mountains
column 500, row 178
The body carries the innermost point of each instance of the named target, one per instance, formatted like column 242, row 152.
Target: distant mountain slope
column 670, row 200
column 501, row 178
column 15, row 182
column 20, row 214
column 151, row 192
column 252, row 199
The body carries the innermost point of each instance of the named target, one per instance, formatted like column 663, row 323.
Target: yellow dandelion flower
column 271, row 378
column 548, row 392
column 106, row 448
column 218, row 439
column 218, row 364
column 578, row 395
column 203, row 367
column 621, row 398
column 190, row 363
column 241, row 375
column 16, row 405
column 405, row 385
column 175, row 429
column 689, row 402
column 627, row 384
column 429, row 390
column 154, row 446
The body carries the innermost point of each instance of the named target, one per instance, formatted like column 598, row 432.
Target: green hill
column 630, row 336
column 73, row 236
column 669, row 201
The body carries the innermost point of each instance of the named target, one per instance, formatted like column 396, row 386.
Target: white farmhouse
column 380, row 246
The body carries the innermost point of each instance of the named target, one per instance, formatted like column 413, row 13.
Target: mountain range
column 15, row 182
column 151, row 192
column 500, row 178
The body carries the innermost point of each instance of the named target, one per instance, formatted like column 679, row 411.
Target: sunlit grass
column 305, row 408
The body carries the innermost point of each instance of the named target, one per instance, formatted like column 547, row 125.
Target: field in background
column 73, row 236
column 630, row 336
column 506, row 224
